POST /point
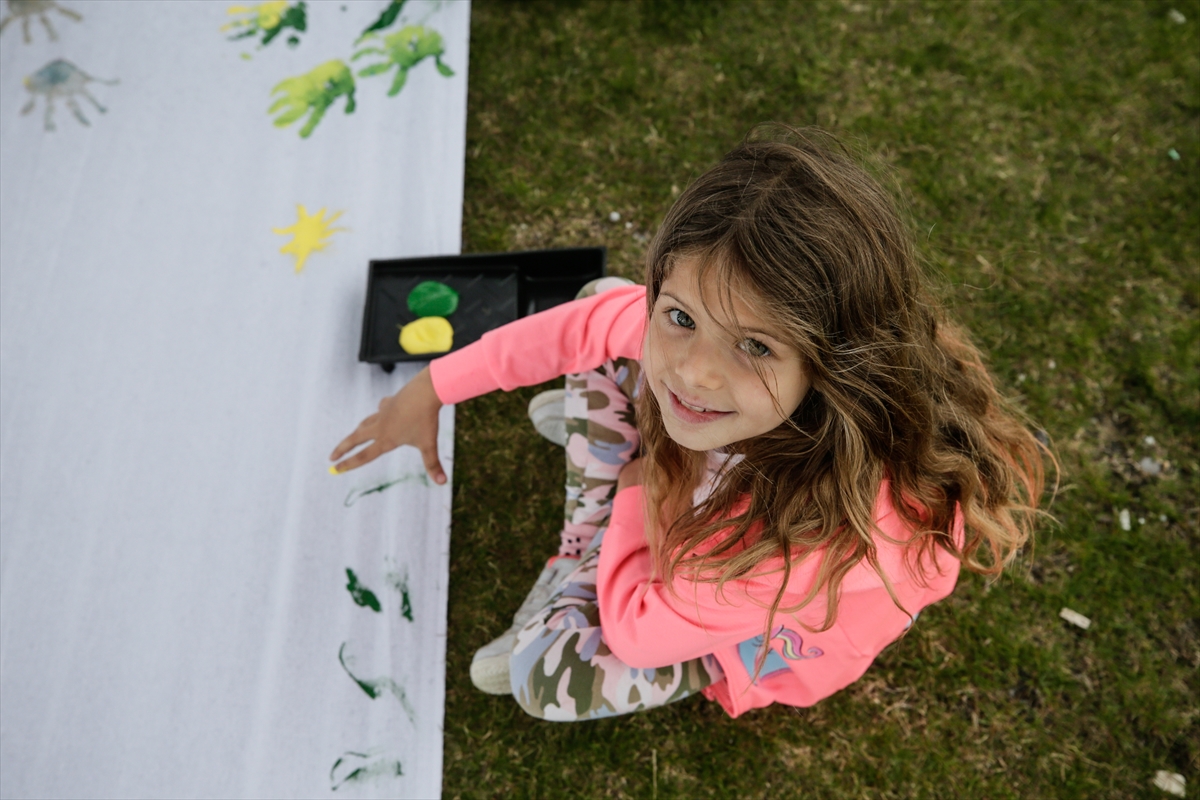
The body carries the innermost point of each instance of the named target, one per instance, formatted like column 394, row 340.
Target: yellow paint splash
column 310, row 234
column 427, row 335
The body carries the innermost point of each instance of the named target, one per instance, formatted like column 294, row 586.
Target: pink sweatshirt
column 646, row 624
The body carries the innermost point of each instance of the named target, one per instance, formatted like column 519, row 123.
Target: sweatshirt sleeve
column 572, row 337
column 646, row 625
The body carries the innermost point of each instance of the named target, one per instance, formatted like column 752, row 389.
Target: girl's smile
column 705, row 382
column 689, row 412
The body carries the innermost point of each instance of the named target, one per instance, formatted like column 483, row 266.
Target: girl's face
column 705, row 381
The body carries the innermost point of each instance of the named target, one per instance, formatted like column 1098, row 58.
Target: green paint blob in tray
column 432, row 299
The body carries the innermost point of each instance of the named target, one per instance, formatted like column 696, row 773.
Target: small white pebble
column 1149, row 441
column 614, row 216
column 1141, row 520
column 1021, row 378
column 1149, row 466
column 1162, row 517
column 1178, row 19
column 628, row 225
column 1075, row 618
column 1123, row 518
column 1171, row 783
column 1051, row 364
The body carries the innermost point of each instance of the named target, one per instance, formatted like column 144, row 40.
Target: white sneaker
column 489, row 667
column 548, row 414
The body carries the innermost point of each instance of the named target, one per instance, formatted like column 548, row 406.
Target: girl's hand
column 630, row 475
column 408, row 417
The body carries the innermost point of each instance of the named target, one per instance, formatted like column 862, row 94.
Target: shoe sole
column 490, row 675
column 546, row 398
column 550, row 427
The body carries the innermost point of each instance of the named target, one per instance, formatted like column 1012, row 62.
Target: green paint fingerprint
column 361, row 594
column 313, row 93
column 376, row 687
column 385, row 19
column 403, row 50
column 400, row 584
column 383, row 768
column 355, row 494
column 432, row 299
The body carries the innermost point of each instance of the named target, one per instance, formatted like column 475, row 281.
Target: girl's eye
column 756, row 348
column 680, row 318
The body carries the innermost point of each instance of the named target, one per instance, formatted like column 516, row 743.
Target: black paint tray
column 493, row 288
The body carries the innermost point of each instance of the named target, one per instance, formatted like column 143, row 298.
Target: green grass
column 1030, row 142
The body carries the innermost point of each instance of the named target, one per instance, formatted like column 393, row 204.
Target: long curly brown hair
column 897, row 391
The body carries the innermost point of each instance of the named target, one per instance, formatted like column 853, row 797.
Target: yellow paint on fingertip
column 334, row 470
column 427, row 335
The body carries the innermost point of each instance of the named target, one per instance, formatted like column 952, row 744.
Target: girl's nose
column 698, row 365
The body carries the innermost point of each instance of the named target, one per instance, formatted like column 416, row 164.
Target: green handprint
column 405, row 49
column 315, row 91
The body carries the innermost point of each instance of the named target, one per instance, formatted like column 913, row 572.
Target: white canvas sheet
column 173, row 552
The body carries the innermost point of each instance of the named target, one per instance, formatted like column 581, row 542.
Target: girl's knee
column 529, row 705
column 530, row 692
column 527, row 662
column 551, row 674
column 599, row 285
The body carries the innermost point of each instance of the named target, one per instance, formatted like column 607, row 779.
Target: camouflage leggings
column 561, row 668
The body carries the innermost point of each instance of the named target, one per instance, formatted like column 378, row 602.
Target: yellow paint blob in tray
column 427, row 335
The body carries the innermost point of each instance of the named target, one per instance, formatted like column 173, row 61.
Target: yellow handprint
column 269, row 18
column 313, row 91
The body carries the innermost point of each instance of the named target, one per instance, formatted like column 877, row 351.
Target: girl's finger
column 363, row 433
column 364, row 456
column 345, row 446
column 434, row 467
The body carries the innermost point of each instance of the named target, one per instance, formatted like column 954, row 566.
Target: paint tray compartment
column 493, row 288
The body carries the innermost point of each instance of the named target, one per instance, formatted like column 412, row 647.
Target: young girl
column 820, row 450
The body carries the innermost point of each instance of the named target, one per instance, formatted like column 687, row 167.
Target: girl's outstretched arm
column 572, row 337
column 408, row 417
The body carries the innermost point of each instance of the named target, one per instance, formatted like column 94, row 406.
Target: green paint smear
column 383, row 768
column 400, row 584
column 361, row 594
column 313, row 93
column 406, row 605
column 385, row 19
column 432, row 299
column 375, row 688
column 355, row 494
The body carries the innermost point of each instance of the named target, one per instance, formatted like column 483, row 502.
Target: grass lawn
column 1047, row 153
